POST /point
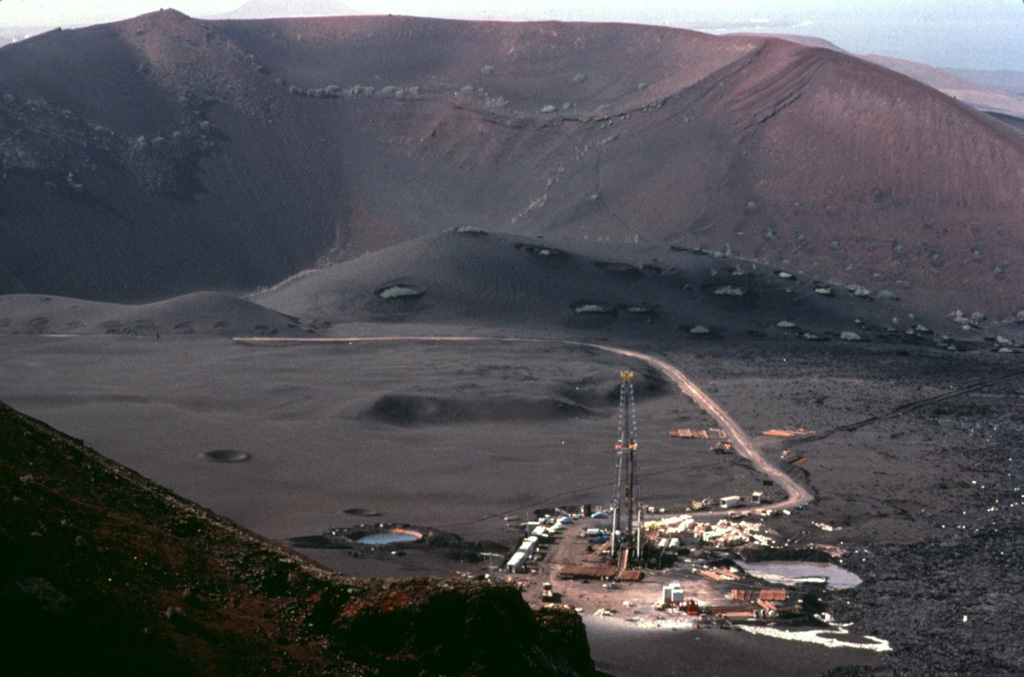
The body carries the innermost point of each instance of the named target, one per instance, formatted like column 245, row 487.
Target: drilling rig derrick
column 627, row 514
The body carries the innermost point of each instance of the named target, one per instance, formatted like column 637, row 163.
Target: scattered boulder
column 592, row 308
column 470, row 230
column 401, row 291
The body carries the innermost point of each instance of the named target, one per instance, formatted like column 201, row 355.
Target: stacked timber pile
column 721, row 534
column 694, row 434
column 786, row 432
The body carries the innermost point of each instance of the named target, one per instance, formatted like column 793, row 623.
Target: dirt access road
column 796, row 494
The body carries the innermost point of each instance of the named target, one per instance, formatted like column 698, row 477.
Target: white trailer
column 728, row 502
column 515, row 562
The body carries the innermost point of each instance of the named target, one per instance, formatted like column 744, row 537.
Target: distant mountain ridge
column 229, row 155
column 980, row 96
column 1009, row 81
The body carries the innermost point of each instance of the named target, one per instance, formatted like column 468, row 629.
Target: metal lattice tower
column 626, row 504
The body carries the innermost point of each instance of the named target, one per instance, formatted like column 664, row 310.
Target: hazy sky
column 986, row 34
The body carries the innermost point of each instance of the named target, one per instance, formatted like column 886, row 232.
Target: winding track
column 796, row 494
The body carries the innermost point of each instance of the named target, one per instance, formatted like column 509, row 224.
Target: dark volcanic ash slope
column 229, row 154
column 198, row 313
column 494, row 282
column 103, row 571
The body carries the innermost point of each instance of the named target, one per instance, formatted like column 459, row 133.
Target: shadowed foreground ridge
column 104, row 571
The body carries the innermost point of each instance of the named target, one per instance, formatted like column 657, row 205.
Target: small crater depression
column 400, row 409
column 227, row 456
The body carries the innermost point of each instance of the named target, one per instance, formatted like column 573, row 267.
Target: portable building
column 515, row 562
column 729, row 502
column 672, row 593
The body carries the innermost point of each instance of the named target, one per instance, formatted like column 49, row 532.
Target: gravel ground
column 948, row 605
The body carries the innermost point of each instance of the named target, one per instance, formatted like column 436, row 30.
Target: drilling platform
column 627, row 513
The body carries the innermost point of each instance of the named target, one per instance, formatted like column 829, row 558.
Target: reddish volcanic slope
column 163, row 155
column 103, row 572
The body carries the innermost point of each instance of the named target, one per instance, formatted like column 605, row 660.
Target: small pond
column 389, row 537
column 788, row 573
